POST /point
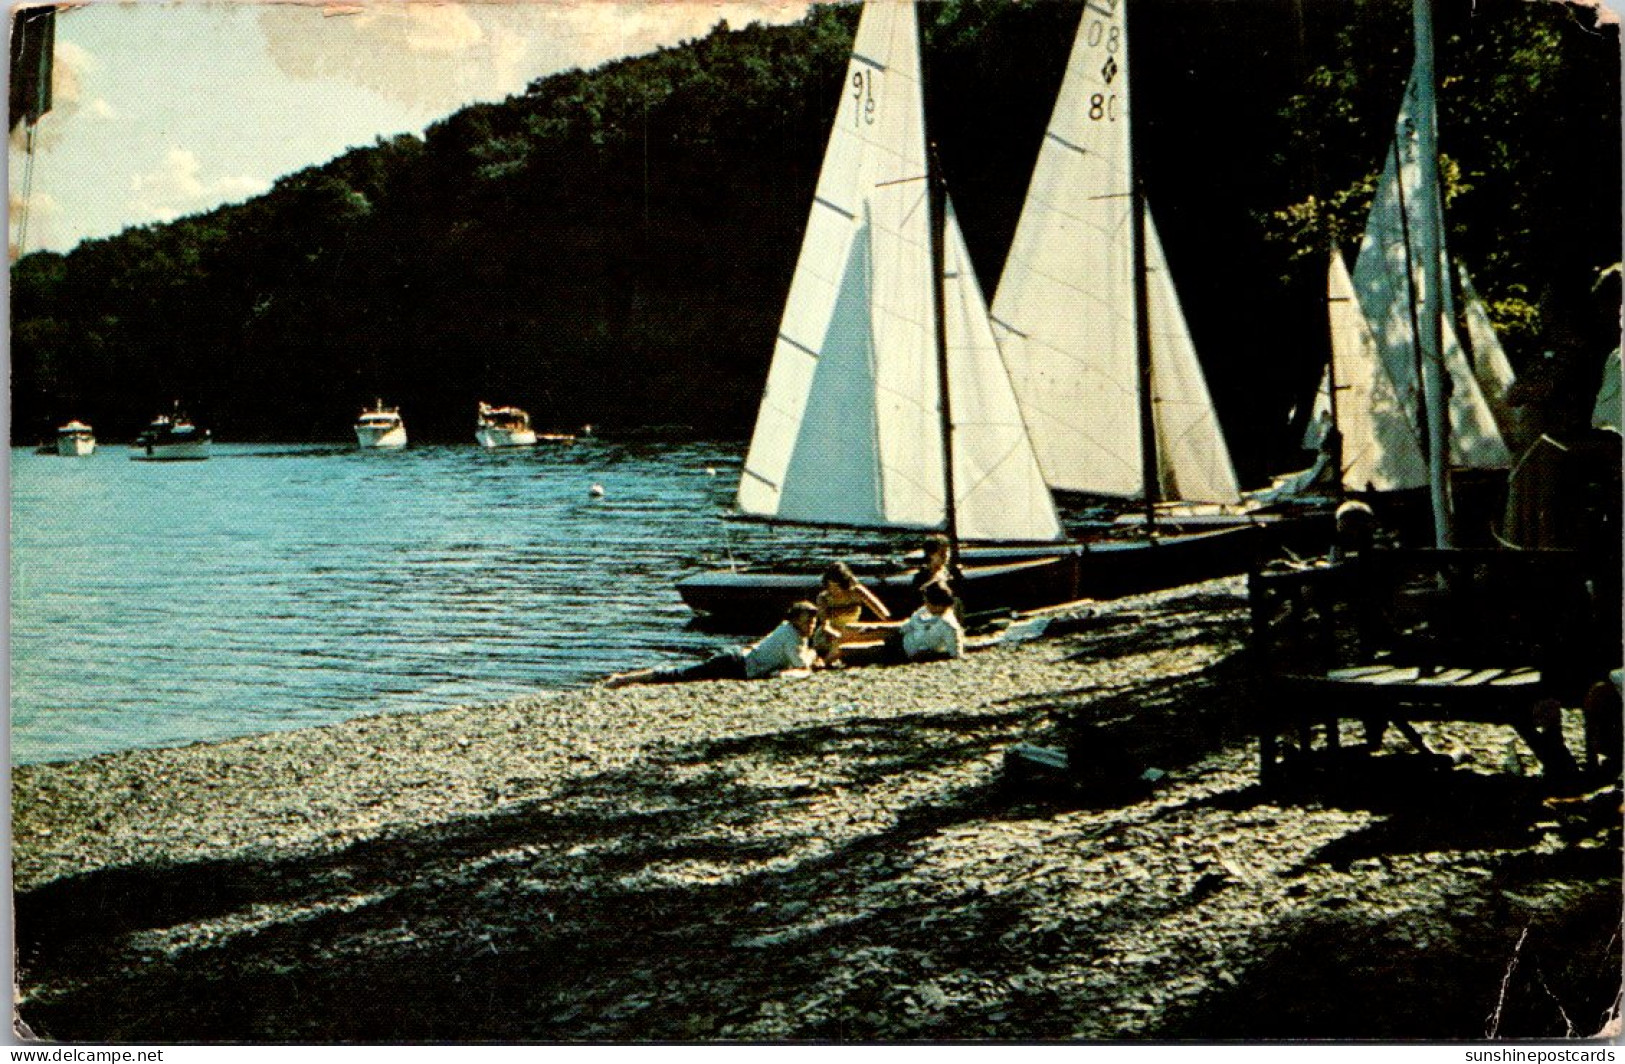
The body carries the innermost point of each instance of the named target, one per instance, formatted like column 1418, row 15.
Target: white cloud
column 437, row 57
column 177, row 187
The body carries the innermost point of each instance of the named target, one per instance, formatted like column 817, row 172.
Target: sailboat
column 887, row 404
column 1393, row 327
column 851, row 431
column 1089, row 321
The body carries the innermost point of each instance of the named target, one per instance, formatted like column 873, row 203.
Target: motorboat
column 75, row 440
column 380, row 428
column 504, row 426
column 172, row 438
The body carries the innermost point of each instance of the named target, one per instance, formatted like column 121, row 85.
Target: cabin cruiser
column 380, row 428
column 75, row 440
column 171, row 438
column 504, row 426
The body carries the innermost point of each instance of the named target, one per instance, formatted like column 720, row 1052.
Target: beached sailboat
column 1393, row 328
column 887, row 405
column 1089, row 322
column 851, row 431
column 1087, row 314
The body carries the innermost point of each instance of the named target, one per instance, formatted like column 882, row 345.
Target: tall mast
column 1430, row 237
column 1413, row 302
column 1150, row 468
column 939, row 302
column 937, row 203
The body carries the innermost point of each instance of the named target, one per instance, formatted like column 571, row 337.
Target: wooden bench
column 1400, row 636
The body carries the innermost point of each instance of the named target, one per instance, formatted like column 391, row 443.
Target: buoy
column 596, row 491
column 710, row 471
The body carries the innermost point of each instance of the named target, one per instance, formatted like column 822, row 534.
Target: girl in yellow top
column 841, row 603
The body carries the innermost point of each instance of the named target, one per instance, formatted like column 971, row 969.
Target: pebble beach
column 851, row 856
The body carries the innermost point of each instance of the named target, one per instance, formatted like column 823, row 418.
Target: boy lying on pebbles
column 931, row 633
column 786, row 648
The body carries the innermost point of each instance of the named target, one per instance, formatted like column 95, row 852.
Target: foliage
column 614, row 246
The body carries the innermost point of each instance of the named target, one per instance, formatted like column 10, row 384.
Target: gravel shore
column 841, row 857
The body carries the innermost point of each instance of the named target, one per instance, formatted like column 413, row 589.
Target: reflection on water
column 279, row 586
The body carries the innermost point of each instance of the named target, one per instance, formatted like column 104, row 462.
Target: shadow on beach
column 843, row 881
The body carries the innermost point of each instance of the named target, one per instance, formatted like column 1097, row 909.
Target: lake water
column 273, row 587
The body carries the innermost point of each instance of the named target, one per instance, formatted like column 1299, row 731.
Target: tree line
column 614, row 246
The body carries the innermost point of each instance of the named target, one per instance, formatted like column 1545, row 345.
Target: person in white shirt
column 781, row 650
column 933, row 631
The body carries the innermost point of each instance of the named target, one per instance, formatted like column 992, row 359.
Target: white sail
column 1388, row 282
column 999, row 492
column 1192, row 458
column 849, row 431
column 856, row 322
column 1490, row 365
column 1382, row 448
column 1064, row 309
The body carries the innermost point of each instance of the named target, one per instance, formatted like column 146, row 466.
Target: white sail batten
column 1387, row 277
column 1064, row 309
column 849, row 431
column 1000, row 493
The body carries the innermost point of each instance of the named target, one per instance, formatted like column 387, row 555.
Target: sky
column 166, row 109
column 163, row 110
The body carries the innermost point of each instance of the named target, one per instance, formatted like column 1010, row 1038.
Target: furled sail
column 1064, row 309
column 849, row 429
column 1388, row 280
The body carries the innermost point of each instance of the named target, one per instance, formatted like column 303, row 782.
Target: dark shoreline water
column 280, row 586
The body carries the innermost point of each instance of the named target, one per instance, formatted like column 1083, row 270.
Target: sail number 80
column 1103, row 106
column 1111, row 35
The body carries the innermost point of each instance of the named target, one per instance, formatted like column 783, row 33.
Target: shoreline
column 842, row 856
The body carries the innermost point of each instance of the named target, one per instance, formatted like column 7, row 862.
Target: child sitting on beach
column 840, row 604
column 931, row 633
column 781, row 650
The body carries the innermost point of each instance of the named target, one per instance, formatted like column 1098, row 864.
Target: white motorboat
column 172, row 438
column 380, row 428
column 504, row 426
column 75, row 440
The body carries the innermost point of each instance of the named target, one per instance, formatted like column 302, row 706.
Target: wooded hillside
column 615, row 246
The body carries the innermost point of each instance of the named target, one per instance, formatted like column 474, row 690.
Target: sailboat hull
column 752, row 601
column 1001, row 579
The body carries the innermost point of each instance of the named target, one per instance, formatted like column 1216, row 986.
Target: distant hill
column 614, row 246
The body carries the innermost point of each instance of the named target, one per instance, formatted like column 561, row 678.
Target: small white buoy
column 710, row 471
column 596, row 491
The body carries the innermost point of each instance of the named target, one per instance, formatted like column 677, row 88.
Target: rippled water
column 274, row 587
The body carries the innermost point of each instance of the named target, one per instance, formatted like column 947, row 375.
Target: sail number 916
column 863, row 94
